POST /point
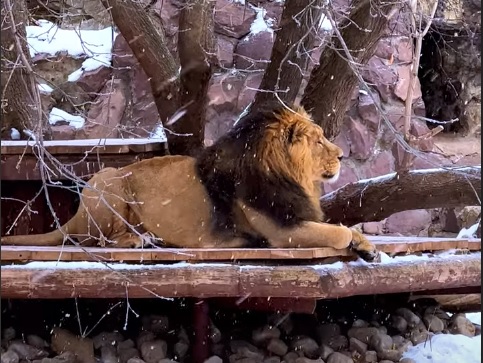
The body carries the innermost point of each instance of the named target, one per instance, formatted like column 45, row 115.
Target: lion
column 259, row 185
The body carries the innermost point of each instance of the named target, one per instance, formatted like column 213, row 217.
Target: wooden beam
column 97, row 280
column 387, row 244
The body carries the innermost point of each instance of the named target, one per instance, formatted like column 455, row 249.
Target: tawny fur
column 260, row 182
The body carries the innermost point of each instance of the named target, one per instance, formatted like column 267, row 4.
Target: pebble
column 399, row 323
column 126, row 354
column 357, row 346
column 370, row 356
column 272, row 360
column 307, row 346
column 8, row 334
column 327, row 331
column 36, row 341
column 108, row 354
column 411, row 318
column 152, row 352
column 107, row 339
column 459, row 324
column 380, row 342
column 362, row 334
column 433, row 323
column 307, row 360
column 26, row 352
column 264, row 334
column 407, row 360
column 290, row 357
column 214, row 359
column 10, row 357
column 338, row 357
column 339, row 342
column 181, row 348
column 277, row 346
column 158, row 324
column 325, row 351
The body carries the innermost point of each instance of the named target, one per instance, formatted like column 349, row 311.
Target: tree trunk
column 21, row 107
column 196, row 47
column 295, row 35
column 327, row 95
column 378, row 198
column 148, row 44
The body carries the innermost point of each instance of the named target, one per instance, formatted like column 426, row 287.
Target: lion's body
column 259, row 184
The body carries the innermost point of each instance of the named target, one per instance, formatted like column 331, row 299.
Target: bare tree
column 332, row 81
column 20, row 96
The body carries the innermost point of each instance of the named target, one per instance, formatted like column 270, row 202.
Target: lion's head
column 294, row 145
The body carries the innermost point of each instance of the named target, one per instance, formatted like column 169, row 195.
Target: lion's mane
column 254, row 163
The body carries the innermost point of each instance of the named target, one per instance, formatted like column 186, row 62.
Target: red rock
column 381, row 76
column 342, row 142
column 418, row 129
column 402, row 85
column 249, row 89
column 93, row 81
column 347, row 175
column 375, row 228
column 63, row 132
column 404, row 51
column 368, row 111
column 410, row 222
column 361, row 140
column 233, row 19
column 224, row 53
column 254, row 51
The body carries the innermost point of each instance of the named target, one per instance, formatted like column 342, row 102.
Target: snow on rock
column 14, row 134
column 57, row 115
column 47, row 38
column 324, row 23
column 260, row 24
column 475, row 318
column 158, row 134
column 45, row 88
column 444, row 348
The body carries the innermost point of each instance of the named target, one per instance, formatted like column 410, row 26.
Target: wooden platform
column 420, row 264
column 387, row 244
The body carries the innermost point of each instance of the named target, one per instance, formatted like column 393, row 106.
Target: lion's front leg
column 364, row 248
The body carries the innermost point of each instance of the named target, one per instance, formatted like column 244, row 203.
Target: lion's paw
column 364, row 248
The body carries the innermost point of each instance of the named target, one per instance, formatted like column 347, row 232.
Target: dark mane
column 230, row 169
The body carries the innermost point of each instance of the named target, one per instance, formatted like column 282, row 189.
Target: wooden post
column 201, row 324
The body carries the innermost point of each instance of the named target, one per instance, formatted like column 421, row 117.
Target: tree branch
column 378, row 198
column 196, row 47
column 295, row 35
column 326, row 94
column 148, row 44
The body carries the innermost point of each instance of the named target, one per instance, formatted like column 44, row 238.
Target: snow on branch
column 375, row 199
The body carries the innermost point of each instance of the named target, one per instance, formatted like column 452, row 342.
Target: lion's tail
column 53, row 238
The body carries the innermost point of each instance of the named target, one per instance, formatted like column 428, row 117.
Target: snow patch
column 47, row 38
column 14, row 134
column 469, row 232
column 45, row 88
column 444, row 348
column 57, row 115
column 325, row 24
column 475, row 318
column 158, row 134
column 260, row 24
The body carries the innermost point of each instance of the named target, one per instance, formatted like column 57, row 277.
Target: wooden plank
column 389, row 245
column 82, row 146
column 96, row 280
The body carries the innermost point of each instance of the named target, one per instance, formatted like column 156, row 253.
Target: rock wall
column 117, row 101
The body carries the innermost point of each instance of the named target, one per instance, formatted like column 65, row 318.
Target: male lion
column 258, row 184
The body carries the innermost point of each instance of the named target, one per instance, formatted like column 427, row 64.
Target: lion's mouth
column 330, row 177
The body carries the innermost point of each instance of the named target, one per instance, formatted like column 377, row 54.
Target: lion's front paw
column 363, row 247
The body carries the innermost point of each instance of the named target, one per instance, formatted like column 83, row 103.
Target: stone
column 8, row 334
column 93, row 81
column 144, row 336
column 410, row 222
column 248, row 352
column 433, row 323
column 265, row 334
column 107, row 339
column 153, row 351
column 272, row 360
column 128, row 343
column 66, row 357
column 370, row 356
column 467, row 216
column 338, row 342
column 380, row 342
column 392, row 355
column 399, row 323
column 290, row 357
column 225, row 47
column 361, row 139
column 325, row 332
column 325, row 351
column 249, row 89
column 362, row 334
column 108, row 354
column 135, row 360
column 158, row 324
column 233, row 19
column 213, row 359
column 181, row 348
column 459, row 324
column 407, row 360
column 374, row 228
column 10, row 357
column 215, row 335
column 236, row 345
column 420, row 337
column 357, row 346
column 307, row 360
column 63, row 341
column 381, row 76
column 36, row 341
column 254, row 51
column 402, row 85
column 368, row 111
column 307, row 346
column 338, row 357
column 25, row 351
column 277, row 346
